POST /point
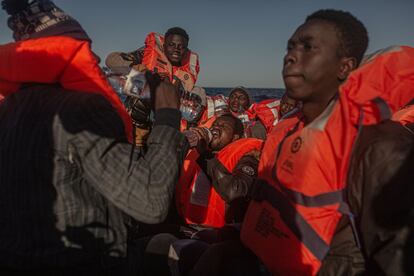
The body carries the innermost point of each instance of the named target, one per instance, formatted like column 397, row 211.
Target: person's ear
column 348, row 64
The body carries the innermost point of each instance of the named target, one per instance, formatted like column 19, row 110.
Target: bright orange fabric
column 211, row 214
column 405, row 115
column 314, row 160
column 155, row 60
column 56, row 59
column 267, row 111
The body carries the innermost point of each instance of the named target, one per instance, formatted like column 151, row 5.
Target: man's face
column 223, row 133
column 238, row 99
column 311, row 64
column 175, row 48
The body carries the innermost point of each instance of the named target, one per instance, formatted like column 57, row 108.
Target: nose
column 290, row 57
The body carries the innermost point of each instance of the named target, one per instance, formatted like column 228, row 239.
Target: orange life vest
column 299, row 200
column 267, row 111
column 57, row 59
column 405, row 115
column 155, row 60
column 197, row 201
column 208, row 123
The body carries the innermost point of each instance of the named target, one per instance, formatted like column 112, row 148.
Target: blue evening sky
column 239, row 42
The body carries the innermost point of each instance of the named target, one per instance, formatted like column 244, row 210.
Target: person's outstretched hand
column 14, row 6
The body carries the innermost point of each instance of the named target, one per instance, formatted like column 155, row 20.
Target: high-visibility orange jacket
column 155, row 60
column 197, row 201
column 267, row 111
column 303, row 168
column 57, row 59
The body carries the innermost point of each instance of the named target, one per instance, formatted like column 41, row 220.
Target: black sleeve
column 142, row 188
column 235, row 184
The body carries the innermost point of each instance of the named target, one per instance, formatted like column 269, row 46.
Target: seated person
column 166, row 54
column 212, row 193
column 217, row 175
column 239, row 100
column 239, row 103
column 258, row 118
column 178, row 63
column 77, row 171
column 268, row 113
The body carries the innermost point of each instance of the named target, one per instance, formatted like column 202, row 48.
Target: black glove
column 14, row 6
column 140, row 112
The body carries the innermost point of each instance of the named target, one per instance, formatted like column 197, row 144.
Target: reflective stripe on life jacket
column 57, row 59
column 216, row 104
column 286, row 212
column 298, row 203
column 155, row 60
column 267, row 112
column 197, row 201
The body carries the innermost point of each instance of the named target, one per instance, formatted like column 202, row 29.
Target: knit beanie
column 42, row 18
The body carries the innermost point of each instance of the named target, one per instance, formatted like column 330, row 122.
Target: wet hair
column 352, row 33
column 238, row 125
column 177, row 31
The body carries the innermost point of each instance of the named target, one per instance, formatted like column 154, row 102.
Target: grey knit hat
column 42, row 18
column 199, row 91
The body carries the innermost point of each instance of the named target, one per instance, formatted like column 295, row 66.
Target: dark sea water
column 257, row 94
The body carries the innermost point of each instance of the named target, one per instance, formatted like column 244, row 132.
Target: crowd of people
column 96, row 179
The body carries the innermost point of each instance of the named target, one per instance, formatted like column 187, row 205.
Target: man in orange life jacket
column 170, row 57
column 215, row 191
column 233, row 185
column 175, row 49
column 258, row 118
column 240, row 103
column 320, row 55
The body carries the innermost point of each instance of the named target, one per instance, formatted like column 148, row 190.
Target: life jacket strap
column 292, row 218
column 314, row 201
column 346, row 210
column 383, row 108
